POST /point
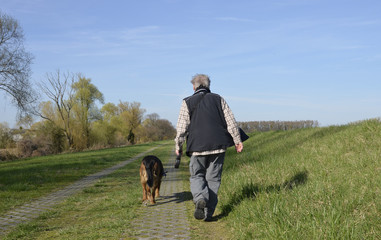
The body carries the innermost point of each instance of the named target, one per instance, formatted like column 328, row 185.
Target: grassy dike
column 320, row 183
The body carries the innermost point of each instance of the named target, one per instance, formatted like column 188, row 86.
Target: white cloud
column 233, row 19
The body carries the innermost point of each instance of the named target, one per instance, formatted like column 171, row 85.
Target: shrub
column 5, row 155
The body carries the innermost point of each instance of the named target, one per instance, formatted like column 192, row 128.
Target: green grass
column 27, row 179
column 103, row 211
column 320, row 183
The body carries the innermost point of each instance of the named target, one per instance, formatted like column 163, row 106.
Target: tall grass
column 318, row 183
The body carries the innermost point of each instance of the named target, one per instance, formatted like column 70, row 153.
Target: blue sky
column 271, row 60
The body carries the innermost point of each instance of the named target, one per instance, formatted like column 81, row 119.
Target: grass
column 26, row 179
column 318, row 183
column 103, row 211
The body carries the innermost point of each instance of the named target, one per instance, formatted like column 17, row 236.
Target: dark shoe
column 210, row 219
column 199, row 209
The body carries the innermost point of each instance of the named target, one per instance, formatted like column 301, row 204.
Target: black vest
column 207, row 129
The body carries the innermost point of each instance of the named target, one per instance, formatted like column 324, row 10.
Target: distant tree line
column 263, row 126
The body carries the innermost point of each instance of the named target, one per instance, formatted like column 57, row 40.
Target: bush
column 34, row 146
column 5, row 155
column 5, row 136
column 26, row 147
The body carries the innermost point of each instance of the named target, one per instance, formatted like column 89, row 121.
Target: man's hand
column 178, row 158
column 239, row 147
column 178, row 152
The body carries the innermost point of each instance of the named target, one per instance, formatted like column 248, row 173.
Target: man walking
column 209, row 127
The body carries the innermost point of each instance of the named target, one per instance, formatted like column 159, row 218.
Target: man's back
column 207, row 130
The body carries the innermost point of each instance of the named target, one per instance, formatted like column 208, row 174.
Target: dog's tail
column 149, row 164
column 149, row 169
column 162, row 172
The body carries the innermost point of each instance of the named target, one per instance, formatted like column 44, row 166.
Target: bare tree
column 58, row 88
column 15, row 63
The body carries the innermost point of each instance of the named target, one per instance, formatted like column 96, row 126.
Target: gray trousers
column 205, row 180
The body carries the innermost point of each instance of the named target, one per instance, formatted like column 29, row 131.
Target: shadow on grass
column 250, row 191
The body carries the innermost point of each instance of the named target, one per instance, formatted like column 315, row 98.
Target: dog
column 151, row 173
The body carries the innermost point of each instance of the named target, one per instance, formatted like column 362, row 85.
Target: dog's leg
column 144, row 192
column 153, row 196
column 143, row 180
column 149, row 193
column 157, row 192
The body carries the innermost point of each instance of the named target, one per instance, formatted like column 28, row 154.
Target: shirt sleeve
column 232, row 125
column 182, row 126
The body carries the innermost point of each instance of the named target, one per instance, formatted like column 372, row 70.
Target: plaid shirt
column 184, row 121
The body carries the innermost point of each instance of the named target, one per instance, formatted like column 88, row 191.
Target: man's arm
column 232, row 126
column 182, row 127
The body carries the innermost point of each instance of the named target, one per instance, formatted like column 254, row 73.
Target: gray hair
column 201, row 80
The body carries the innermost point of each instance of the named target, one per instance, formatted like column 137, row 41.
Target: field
column 316, row 183
column 23, row 180
column 103, row 211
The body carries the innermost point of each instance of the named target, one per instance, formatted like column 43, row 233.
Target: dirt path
column 167, row 219
column 32, row 210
